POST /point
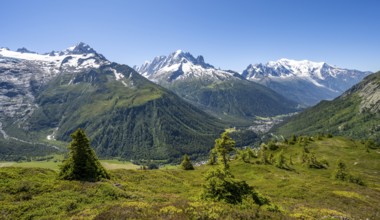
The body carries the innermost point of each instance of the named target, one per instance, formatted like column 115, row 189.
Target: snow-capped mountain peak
column 80, row 48
column 77, row 57
column 177, row 53
column 292, row 68
column 179, row 65
column 24, row 50
column 330, row 81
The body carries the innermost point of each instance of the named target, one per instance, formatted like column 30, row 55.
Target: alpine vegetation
column 82, row 163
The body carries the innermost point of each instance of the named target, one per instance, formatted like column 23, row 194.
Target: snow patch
column 52, row 135
column 53, row 61
column 118, row 75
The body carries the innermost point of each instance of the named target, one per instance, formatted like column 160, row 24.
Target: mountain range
column 170, row 106
column 356, row 114
column 225, row 94
column 45, row 97
column 304, row 82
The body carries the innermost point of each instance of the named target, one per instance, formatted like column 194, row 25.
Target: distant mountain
column 43, row 98
column 304, row 81
column 356, row 113
column 223, row 93
column 23, row 73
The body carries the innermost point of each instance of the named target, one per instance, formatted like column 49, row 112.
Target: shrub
column 342, row 174
column 246, row 155
column 152, row 166
column 222, row 186
column 293, row 139
column 280, row 161
column 272, row 146
column 315, row 164
column 186, row 163
column 370, row 144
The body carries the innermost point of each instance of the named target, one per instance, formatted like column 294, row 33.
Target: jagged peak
column 175, row 58
column 295, row 63
column 177, row 52
column 80, row 48
column 24, row 50
column 180, row 56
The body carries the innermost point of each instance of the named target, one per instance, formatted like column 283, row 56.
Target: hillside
column 300, row 193
column 131, row 118
column 124, row 114
column 355, row 114
column 222, row 93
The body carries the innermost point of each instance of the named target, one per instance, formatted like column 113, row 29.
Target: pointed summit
column 80, row 48
column 24, row 50
column 172, row 62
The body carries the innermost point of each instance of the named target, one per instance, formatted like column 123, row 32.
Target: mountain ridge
column 45, row 97
column 356, row 113
column 305, row 81
column 223, row 93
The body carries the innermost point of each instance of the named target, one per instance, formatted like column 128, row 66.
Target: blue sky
column 229, row 34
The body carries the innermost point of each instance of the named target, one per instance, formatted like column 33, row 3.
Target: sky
column 230, row 34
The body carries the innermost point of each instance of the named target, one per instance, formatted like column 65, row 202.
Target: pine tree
column 186, row 163
column 341, row 171
column 82, row 163
column 223, row 146
column 220, row 183
column 293, row 139
column 281, row 162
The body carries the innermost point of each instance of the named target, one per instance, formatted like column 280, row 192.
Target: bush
column 370, row 144
column 152, row 166
column 292, row 140
column 222, row 186
column 342, row 174
column 272, row 146
column 315, row 164
column 280, row 162
column 246, row 155
column 186, row 163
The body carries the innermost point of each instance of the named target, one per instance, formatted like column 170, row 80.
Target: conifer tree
column 281, row 162
column 220, row 183
column 341, row 171
column 82, row 163
column 293, row 139
column 223, row 146
column 186, row 163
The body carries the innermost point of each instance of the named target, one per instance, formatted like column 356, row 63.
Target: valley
column 299, row 160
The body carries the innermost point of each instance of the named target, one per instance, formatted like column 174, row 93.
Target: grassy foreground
column 54, row 164
column 298, row 193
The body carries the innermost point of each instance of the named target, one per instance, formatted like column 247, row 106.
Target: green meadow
column 31, row 190
column 54, row 164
